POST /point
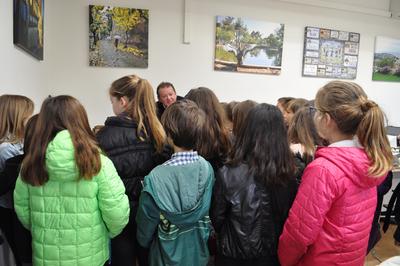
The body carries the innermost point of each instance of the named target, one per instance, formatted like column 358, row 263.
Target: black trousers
column 125, row 249
column 17, row 236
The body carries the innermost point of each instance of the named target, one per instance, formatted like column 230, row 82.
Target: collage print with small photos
column 330, row 53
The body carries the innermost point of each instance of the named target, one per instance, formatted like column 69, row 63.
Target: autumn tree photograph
column 118, row 36
column 248, row 46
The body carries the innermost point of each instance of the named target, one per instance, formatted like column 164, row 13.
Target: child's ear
column 124, row 101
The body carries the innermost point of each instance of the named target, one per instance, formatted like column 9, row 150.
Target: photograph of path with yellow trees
column 118, row 36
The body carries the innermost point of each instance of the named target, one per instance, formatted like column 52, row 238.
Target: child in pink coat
column 330, row 220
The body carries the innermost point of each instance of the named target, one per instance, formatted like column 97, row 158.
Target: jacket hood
column 60, row 158
column 122, row 120
column 182, row 195
column 354, row 163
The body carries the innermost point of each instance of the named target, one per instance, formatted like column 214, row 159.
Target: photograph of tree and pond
column 243, row 45
column 386, row 59
column 118, row 37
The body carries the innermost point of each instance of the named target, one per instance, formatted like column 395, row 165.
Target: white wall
column 66, row 67
column 19, row 72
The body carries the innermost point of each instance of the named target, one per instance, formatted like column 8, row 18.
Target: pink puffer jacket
column 330, row 220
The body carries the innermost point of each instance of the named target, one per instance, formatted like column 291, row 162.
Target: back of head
column 355, row 114
column 297, row 103
column 240, row 113
column 284, row 101
column 61, row 113
column 262, row 144
column 215, row 140
column 141, row 107
column 29, row 130
column 183, row 122
column 302, row 130
column 14, row 112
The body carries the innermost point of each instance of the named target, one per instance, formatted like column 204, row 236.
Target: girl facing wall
column 134, row 140
column 68, row 195
column 254, row 191
column 330, row 220
column 15, row 111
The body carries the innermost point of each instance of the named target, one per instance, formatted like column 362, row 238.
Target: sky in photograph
column 264, row 27
column 387, row 45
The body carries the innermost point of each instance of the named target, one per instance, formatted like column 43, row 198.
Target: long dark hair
column 262, row 144
column 57, row 114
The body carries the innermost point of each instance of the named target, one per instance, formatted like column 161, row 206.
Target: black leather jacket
column 132, row 158
column 248, row 216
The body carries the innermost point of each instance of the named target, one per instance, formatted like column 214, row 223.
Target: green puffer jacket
column 71, row 221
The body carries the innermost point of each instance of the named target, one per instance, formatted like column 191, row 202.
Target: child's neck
column 179, row 149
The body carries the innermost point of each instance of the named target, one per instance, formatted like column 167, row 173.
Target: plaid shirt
column 182, row 158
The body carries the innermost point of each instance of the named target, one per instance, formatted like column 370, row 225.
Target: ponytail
column 143, row 109
column 372, row 136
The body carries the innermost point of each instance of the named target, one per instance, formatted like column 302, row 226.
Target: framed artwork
column 386, row 59
column 248, row 46
column 118, row 36
column 28, row 26
column 330, row 53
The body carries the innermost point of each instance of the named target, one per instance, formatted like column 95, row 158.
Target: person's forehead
column 167, row 89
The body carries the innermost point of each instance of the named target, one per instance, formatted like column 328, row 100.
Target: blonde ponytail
column 143, row 110
column 372, row 136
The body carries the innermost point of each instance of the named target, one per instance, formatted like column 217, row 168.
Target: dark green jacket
column 173, row 213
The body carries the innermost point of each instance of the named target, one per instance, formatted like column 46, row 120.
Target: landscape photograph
column 248, row 46
column 386, row 59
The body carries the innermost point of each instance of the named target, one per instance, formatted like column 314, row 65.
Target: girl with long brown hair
column 15, row 111
column 331, row 217
column 68, row 194
column 134, row 140
column 214, row 144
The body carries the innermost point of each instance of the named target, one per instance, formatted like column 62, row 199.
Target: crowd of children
column 168, row 183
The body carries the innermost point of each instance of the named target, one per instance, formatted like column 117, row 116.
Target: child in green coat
column 173, row 208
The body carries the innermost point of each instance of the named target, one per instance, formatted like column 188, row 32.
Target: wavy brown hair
column 141, row 107
column 61, row 113
column 215, row 140
column 302, row 130
column 355, row 114
column 240, row 112
column 14, row 113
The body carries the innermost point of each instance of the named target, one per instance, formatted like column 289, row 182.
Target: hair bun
column 366, row 105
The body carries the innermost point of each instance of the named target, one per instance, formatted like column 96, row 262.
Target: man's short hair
column 162, row 85
column 183, row 122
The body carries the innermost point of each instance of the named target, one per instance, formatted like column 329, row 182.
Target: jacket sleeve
column 21, row 203
column 219, row 205
column 306, row 217
column 113, row 203
column 147, row 219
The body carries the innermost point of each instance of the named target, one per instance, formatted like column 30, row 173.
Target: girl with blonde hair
column 134, row 140
column 331, row 217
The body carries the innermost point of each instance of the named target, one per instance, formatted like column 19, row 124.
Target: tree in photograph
column 126, row 19
column 235, row 35
column 98, row 22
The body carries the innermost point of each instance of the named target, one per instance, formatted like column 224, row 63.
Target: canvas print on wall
column 386, row 59
column 28, row 26
column 248, row 46
column 330, row 53
column 118, row 37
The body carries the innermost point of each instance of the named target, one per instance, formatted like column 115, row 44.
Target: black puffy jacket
column 248, row 217
column 132, row 158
